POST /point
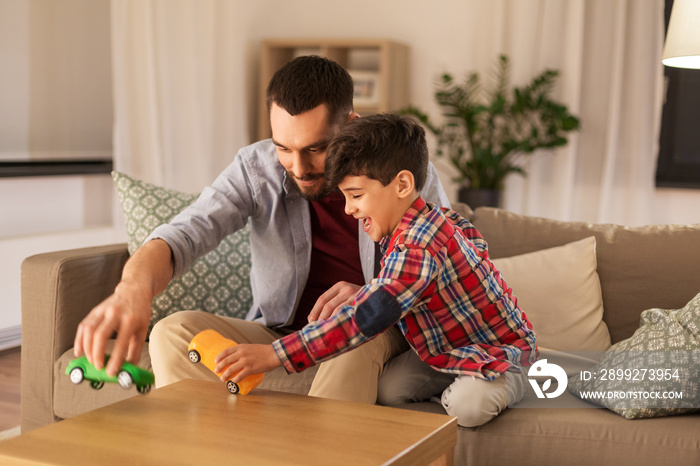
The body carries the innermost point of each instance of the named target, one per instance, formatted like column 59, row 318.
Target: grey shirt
column 255, row 188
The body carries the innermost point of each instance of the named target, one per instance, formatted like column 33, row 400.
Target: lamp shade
column 682, row 48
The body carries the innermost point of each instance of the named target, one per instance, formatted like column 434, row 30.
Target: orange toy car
column 206, row 346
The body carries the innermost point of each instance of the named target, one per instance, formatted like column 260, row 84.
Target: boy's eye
column 356, row 196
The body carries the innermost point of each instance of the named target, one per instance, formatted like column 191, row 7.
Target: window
column 679, row 143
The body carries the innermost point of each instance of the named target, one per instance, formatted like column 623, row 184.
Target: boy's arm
column 404, row 279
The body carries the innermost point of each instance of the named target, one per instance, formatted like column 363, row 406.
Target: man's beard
column 318, row 192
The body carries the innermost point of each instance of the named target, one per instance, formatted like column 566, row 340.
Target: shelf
column 378, row 66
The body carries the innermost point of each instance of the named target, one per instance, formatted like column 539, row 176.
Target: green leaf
column 481, row 131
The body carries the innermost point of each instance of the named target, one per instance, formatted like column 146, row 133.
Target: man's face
column 301, row 142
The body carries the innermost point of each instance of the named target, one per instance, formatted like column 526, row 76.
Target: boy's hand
column 330, row 302
column 246, row 358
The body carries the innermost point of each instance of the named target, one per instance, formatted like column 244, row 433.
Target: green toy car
column 80, row 369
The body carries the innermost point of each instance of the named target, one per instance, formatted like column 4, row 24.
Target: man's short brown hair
column 309, row 81
column 379, row 147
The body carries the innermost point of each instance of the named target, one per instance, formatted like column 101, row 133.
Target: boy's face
column 301, row 142
column 379, row 207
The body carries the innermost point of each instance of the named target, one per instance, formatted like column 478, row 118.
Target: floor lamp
column 682, row 47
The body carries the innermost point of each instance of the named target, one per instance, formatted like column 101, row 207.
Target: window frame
column 678, row 164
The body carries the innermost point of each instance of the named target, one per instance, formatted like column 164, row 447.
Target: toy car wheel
column 76, row 375
column 232, row 387
column 97, row 385
column 124, row 379
column 194, row 356
column 143, row 389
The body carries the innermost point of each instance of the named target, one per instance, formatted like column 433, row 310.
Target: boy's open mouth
column 366, row 224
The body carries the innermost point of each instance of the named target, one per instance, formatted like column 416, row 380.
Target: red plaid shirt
column 439, row 286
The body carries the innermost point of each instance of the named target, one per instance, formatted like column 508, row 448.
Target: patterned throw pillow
column 218, row 282
column 655, row 372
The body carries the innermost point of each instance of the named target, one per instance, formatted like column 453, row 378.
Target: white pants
column 472, row 400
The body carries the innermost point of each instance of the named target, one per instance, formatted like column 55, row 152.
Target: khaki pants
column 351, row 376
column 472, row 400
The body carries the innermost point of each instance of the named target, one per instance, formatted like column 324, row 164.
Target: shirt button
column 300, row 365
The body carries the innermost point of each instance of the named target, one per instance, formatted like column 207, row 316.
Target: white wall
column 55, row 79
column 676, row 206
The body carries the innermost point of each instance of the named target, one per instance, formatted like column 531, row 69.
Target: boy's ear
column 405, row 183
column 352, row 116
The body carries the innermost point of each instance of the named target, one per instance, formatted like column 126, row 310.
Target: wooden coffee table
column 197, row 422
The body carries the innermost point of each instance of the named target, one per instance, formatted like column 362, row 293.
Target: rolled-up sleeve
column 222, row 209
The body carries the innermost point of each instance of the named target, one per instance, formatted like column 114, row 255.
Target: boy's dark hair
column 309, row 81
column 379, row 147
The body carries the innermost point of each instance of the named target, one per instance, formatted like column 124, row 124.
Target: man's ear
column 405, row 183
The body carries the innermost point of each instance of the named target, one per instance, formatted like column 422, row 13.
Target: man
column 308, row 257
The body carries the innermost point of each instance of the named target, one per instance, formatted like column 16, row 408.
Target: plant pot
column 479, row 197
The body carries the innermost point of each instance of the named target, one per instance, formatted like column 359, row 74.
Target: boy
column 436, row 282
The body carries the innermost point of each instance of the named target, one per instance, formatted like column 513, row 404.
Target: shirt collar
column 408, row 218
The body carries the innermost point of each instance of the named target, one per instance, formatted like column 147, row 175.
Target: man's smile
column 308, row 180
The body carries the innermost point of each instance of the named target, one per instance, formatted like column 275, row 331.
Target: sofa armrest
column 58, row 290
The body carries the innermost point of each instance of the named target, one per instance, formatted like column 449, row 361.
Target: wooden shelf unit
column 386, row 60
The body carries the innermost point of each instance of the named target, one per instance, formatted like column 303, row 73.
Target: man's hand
column 246, row 358
column 330, row 302
column 127, row 312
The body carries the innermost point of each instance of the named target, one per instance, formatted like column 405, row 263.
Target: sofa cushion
column 218, row 282
column 662, row 357
column 559, row 291
column 639, row 267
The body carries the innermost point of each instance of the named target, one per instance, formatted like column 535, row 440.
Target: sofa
column 627, row 272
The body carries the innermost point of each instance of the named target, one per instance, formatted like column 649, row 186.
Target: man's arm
column 128, row 310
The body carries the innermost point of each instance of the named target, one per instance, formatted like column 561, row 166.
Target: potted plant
column 486, row 133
